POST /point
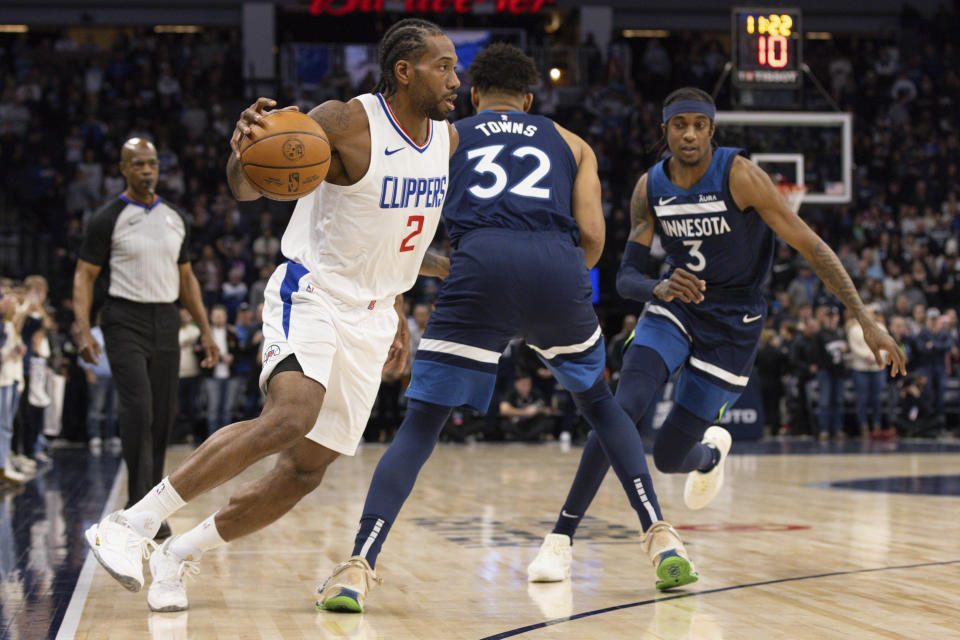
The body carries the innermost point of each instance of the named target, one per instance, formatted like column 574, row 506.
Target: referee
column 140, row 242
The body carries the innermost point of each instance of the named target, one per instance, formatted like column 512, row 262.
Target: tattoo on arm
column 640, row 219
column 333, row 118
column 829, row 268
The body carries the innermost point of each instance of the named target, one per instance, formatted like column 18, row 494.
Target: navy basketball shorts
column 714, row 342
column 505, row 284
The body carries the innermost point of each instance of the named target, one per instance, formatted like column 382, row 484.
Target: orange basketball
column 286, row 155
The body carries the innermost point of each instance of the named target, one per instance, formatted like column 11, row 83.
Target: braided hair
column 406, row 40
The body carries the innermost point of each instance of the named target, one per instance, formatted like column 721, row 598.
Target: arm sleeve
column 631, row 281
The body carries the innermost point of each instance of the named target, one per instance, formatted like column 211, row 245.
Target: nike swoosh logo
column 389, row 152
column 666, row 200
column 747, row 319
column 564, row 513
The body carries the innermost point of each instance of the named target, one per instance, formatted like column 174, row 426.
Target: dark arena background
column 838, row 519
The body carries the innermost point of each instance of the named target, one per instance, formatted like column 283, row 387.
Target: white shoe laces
column 144, row 546
column 187, row 569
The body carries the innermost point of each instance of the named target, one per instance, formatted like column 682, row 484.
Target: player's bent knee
column 283, row 426
column 297, row 480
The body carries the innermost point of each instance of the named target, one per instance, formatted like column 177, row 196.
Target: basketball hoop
column 793, row 194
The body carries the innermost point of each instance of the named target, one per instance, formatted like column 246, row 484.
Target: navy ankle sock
column 396, row 473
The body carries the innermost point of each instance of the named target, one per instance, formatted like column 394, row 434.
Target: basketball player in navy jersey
column 716, row 212
column 524, row 193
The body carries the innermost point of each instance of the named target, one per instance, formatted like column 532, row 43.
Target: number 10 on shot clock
column 767, row 48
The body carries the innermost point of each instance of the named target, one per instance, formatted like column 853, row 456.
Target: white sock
column 192, row 544
column 159, row 504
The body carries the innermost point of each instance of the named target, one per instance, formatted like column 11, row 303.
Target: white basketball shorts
column 342, row 346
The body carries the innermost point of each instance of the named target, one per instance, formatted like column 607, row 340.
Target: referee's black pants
column 144, row 352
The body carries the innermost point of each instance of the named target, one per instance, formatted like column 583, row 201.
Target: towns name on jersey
column 489, row 128
column 398, row 193
column 695, row 227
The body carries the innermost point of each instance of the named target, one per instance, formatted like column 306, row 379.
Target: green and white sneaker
column 347, row 588
column 665, row 549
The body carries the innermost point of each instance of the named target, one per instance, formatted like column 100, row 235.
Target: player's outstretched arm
column 750, row 186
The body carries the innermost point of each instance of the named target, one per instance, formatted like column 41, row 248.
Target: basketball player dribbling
column 716, row 212
column 524, row 193
column 354, row 246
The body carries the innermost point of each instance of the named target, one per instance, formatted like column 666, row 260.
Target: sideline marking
column 585, row 614
column 71, row 618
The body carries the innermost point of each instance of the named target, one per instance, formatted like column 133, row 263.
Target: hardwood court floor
column 780, row 556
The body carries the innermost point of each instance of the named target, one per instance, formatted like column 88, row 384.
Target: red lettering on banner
column 463, row 6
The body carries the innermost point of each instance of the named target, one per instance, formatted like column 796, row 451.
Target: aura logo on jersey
column 399, row 193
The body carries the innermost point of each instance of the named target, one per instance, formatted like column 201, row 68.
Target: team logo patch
column 271, row 352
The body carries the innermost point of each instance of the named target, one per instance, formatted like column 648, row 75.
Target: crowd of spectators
column 67, row 106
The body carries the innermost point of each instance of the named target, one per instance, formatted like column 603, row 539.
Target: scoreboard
column 767, row 48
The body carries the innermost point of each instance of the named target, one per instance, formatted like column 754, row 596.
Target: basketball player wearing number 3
column 716, row 212
column 332, row 313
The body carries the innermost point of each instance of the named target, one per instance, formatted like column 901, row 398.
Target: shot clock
column 767, row 48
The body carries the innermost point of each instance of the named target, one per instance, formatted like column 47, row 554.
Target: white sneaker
column 96, row 446
column 701, row 487
column 12, row 476
column 663, row 546
column 120, row 550
column 552, row 563
column 25, row 464
column 168, row 592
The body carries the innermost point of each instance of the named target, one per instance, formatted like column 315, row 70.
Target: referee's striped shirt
column 140, row 247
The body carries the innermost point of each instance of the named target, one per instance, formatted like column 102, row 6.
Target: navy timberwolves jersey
column 511, row 170
column 704, row 232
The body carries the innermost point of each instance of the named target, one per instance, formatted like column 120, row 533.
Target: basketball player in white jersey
column 354, row 246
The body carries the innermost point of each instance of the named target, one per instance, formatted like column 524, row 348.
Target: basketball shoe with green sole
column 665, row 549
column 347, row 588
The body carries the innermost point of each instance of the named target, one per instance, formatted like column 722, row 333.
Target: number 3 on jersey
column 527, row 187
column 411, row 221
column 701, row 260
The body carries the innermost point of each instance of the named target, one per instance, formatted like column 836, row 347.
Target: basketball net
column 793, row 194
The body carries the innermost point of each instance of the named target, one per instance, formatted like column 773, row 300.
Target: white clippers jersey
column 365, row 242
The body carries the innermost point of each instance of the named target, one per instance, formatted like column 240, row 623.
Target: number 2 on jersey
column 412, row 220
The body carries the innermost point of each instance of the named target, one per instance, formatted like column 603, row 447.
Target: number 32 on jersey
column 527, row 187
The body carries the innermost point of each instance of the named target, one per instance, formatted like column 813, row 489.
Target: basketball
column 286, row 155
